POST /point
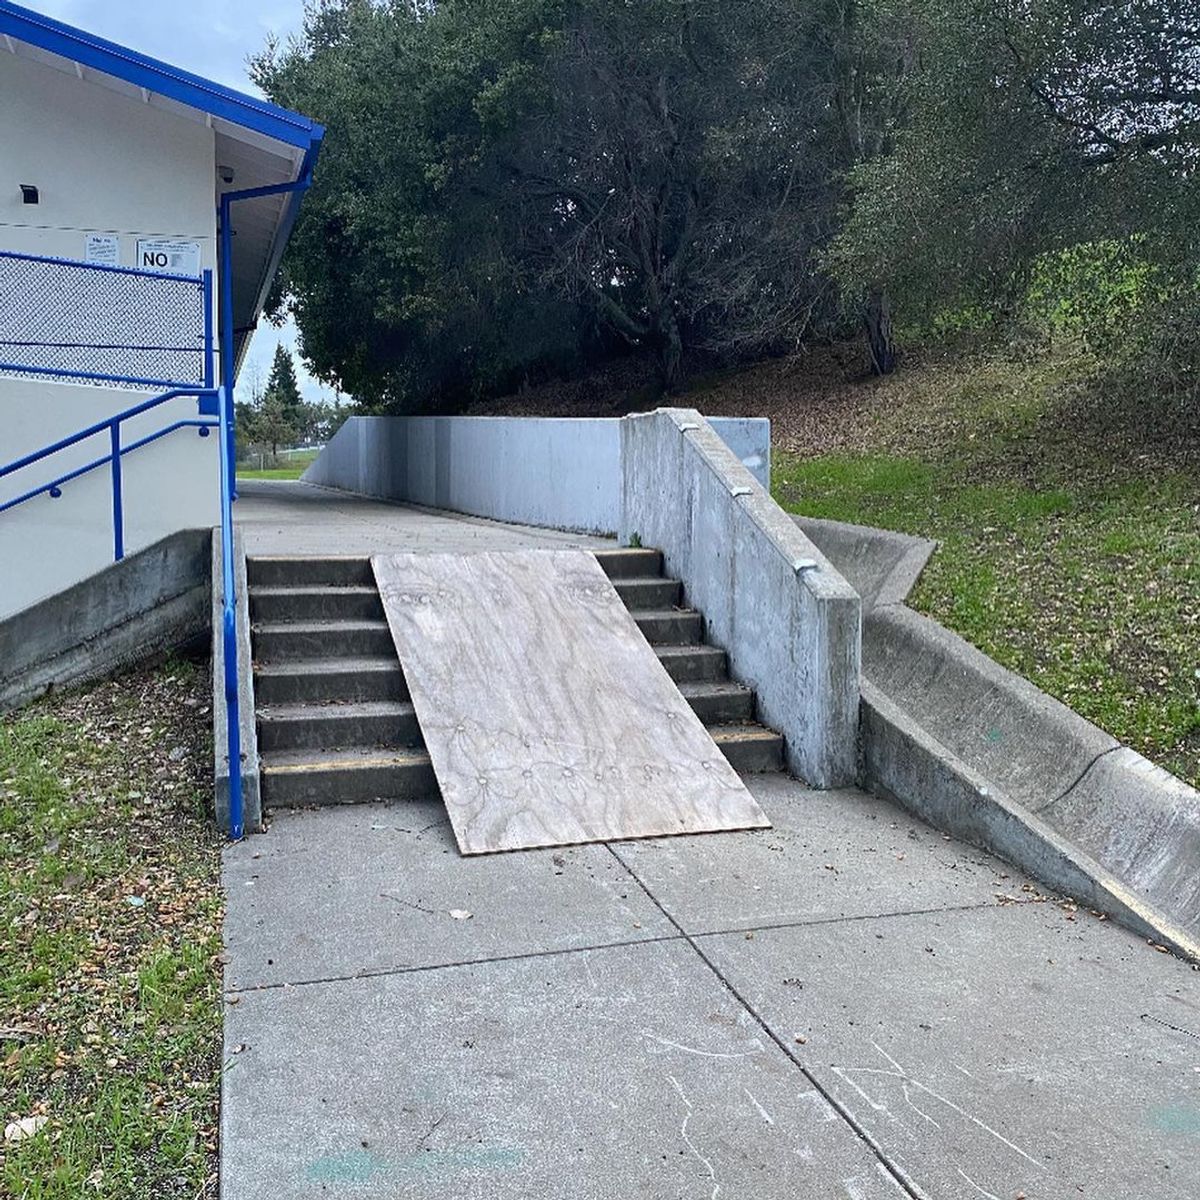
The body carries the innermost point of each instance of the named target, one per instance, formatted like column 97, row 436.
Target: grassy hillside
column 1066, row 508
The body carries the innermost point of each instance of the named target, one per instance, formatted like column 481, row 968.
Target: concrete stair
column 334, row 714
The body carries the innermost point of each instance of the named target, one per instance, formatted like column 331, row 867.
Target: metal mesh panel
column 79, row 320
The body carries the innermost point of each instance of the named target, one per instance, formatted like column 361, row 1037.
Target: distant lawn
column 110, row 940
column 1070, row 540
column 294, row 467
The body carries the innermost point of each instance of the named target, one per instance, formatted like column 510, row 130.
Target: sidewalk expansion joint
column 385, row 972
column 802, row 923
column 894, row 1171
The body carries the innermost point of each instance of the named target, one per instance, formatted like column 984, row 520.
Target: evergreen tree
column 282, row 391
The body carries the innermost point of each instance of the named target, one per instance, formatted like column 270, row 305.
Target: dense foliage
column 1044, row 166
column 516, row 188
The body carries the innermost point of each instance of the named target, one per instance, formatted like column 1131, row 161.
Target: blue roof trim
column 97, row 54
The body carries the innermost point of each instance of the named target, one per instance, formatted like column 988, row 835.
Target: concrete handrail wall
column 559, row 473
column 789, row 622
column 151, row 601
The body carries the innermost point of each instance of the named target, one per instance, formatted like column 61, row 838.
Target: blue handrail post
column 206, row 290
column 226, row 283
column 229, row 620
column 114, row 433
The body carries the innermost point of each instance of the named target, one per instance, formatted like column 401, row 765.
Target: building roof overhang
column 257, row 144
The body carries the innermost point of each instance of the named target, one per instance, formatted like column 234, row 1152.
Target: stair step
column 339, row 680
column 334, row 571
column 314, row 602
column 623, row 563
column 275, row 641
column 648, row 593
column 749, row 748
column 298, row 778
column 719, row 703
column 670, row 627
column 687, row 664
column 378, row 723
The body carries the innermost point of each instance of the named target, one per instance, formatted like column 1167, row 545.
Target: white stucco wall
column 103, row 163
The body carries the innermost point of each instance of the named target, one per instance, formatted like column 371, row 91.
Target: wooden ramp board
column 548, row 717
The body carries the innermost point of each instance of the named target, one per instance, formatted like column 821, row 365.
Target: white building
column 110, row 159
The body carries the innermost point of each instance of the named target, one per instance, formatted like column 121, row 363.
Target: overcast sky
column 213, row 38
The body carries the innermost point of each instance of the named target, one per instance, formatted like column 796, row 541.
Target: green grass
column 1063, row 554
column 110, row 914
column 295, row 466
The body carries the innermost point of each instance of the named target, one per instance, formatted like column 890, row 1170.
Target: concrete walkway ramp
column 548, row 718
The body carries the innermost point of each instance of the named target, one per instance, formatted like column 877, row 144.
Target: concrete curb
column 251, row 777
column 903, row 763
column 151, row 602
column 982, row 753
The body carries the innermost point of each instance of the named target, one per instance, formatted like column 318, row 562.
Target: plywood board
column 548, row 717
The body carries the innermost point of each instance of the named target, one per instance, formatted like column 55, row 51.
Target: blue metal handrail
column 215, row 405
column 54, row 487
column 111, row 426
column 229, row 618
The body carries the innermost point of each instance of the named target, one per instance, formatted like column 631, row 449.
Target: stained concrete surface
column 829, row 856
column 621, row 1072
column 380, row 882
column 999, row 1052
column 887, row 1028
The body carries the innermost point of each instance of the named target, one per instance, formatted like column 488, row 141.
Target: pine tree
column 282, row 391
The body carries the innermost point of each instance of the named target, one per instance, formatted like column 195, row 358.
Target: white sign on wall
column 103, row 249
column 177, row 258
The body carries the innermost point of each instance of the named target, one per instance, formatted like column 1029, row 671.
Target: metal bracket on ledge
column 687, row 426
column 739, row 491
column 804, row 564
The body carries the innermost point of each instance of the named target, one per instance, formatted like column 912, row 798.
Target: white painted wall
column 109, row 164
column 556, row 472
column 103, row 162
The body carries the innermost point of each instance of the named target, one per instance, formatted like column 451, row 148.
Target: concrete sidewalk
column 847, row 1005
column 287, row 517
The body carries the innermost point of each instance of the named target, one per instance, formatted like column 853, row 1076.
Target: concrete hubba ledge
column 557, row 473
column 150, row 602
column 787, row 619
column 881, row 566
column 251, row 778
column 980, row 752
column 903, row 763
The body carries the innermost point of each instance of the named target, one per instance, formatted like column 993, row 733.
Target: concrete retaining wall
column 550, row 472
column 789, row 622
column 152, row 601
